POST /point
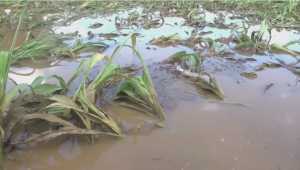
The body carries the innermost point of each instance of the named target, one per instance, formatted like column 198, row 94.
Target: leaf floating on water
column 280, row 61
column 108, row 35
column 268, row 87
column 295, row 71
column 159, row 124
column 205, row 33
column 225, row 102
column 138, row 128
column 165, row 41
column 63, row 131
column 249, row 75
column 274, row 65
column 260, row 68
column 224, row 53
column 96, row 25
column 250, row 59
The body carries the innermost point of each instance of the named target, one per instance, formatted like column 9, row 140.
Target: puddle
column 198, row 134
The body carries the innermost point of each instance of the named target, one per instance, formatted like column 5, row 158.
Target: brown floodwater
column 198, row 133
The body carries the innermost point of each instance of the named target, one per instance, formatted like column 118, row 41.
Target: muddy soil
column 198, row 133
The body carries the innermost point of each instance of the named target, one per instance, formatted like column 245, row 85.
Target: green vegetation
column 49, row 103
column 282, row 11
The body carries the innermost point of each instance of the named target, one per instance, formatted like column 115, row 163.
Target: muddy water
column 198, row 134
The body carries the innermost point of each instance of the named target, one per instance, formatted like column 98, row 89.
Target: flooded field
column 255, row 127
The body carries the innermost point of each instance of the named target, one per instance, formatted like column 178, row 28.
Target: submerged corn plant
column 5, row 98
column 197, row 77
column 255, row 41
column 26, row 106
column 140, row 92
column 182, row 56
column 86, row 95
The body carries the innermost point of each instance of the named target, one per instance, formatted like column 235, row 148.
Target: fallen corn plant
column 77, row 48
column 143, row 86
column 167, row 40
column 256, row 41
column 204, row 81
column 141, row 93
column 18, row 117
column 195, row 60
column 56, row 108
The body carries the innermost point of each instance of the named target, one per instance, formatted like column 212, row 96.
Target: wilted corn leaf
column 47, row 117
column 67, row 129
column 96, row 25
column 94, row 113
column 37, row 24
column 274, row 65
column 143, row 87
column 178, row 55
column 153, row 24
column 13, row 130
column 137, row 128
column 44, row 89
column 9, row 96
column 88, row 4
column 192, row 61
column 193, row 58
column 291, row 43
column 243, row 38
column 205, row 81
column 295, row 71
column 104, row 75
column 29, row 36
column 166, row 39
column 281, row 48
column 63, row 131
column 14, row 114
column 246, row 44
column 268, row 87
column 87, row 46
column 263, row 29
column 249, row 75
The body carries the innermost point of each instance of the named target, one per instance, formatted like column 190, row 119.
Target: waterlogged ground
column 198, row 133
